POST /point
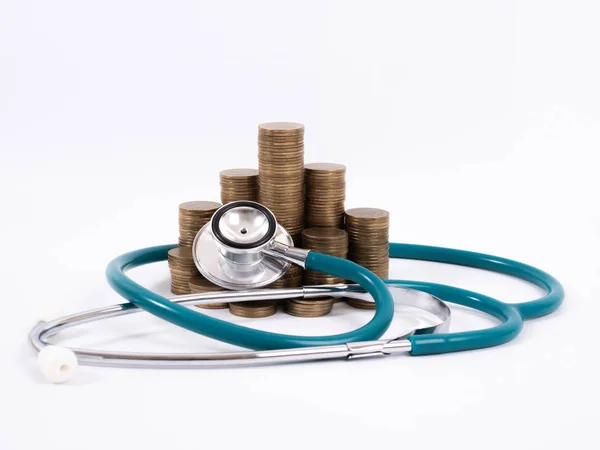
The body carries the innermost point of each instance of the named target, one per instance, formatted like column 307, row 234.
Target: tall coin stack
column 242, row 184
column 368, row 244
column 239, row 184
column 325, row 190
column 281, row 173
column 331, row 241
column 192, row 217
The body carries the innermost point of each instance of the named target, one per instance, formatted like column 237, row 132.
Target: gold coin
column 197, row 207
column 180, row 253
column 281, row 179
column 331, row 241
column 234, row 198
column 193, row 216
column 261, row 308
column 326, row 235
column 368, row 243
column 293, row 271
column 292, row 278
column 239, row 184
column 361, row 304
column 182, row 268
column 367, row 213
column 236, row 174
column 281, row 127
column 271, row 148
column 179, row 291
column 312, row 308
column 325, row 167
column 325, row 189
column 200, row 284
column 317, row 279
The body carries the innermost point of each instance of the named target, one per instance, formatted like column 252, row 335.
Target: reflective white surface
column 256, row 271
column 243, row 224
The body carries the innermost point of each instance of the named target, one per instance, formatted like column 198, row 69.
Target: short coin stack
column 368, row 243
column 281, row 173
column 200, row 284
column 331, row 241
column 192, row 217
column 260, row 308
column 239, row 184
column 183, row 269
column 325, row 190
column 266, row 308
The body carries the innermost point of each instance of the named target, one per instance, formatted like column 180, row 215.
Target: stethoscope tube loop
column 511, row 315
column 304, row 348
column 546, row 304
column 240, row 335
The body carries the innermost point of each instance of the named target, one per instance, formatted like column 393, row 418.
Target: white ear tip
column 57, row 364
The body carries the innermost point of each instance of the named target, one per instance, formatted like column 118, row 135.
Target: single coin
column 367, row 213
column 180, row 253
column 281, row 127
column 238, row 173
column 324, row 167
column 198, row 206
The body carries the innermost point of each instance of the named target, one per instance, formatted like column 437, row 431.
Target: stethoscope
column 243, row 248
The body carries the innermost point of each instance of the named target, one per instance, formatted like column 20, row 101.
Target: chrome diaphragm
column 232, row 249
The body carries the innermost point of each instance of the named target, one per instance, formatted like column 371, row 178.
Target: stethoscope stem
column 209, row 298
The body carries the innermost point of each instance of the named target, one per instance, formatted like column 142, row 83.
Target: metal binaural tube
column 43, row 330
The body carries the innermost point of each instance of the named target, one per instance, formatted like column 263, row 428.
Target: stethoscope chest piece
column 230, row 250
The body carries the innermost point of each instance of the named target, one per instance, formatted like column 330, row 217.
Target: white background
column 476, row 124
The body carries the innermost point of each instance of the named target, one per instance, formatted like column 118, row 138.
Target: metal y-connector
column 377, row 348
column 294, row 255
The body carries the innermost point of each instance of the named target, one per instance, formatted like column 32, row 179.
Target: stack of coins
column 331, row 241
column 292, row 278
column 200, row 284
column 368, row 243
column 261, row 308
column 183, row 269
column 255, row 309
column 281, row 173
column 192, row 217
column 239, row 184
column 325, row 188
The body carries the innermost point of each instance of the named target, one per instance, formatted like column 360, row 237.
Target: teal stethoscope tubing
column 244, row 336
column 511, row 315
column 528, row 310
